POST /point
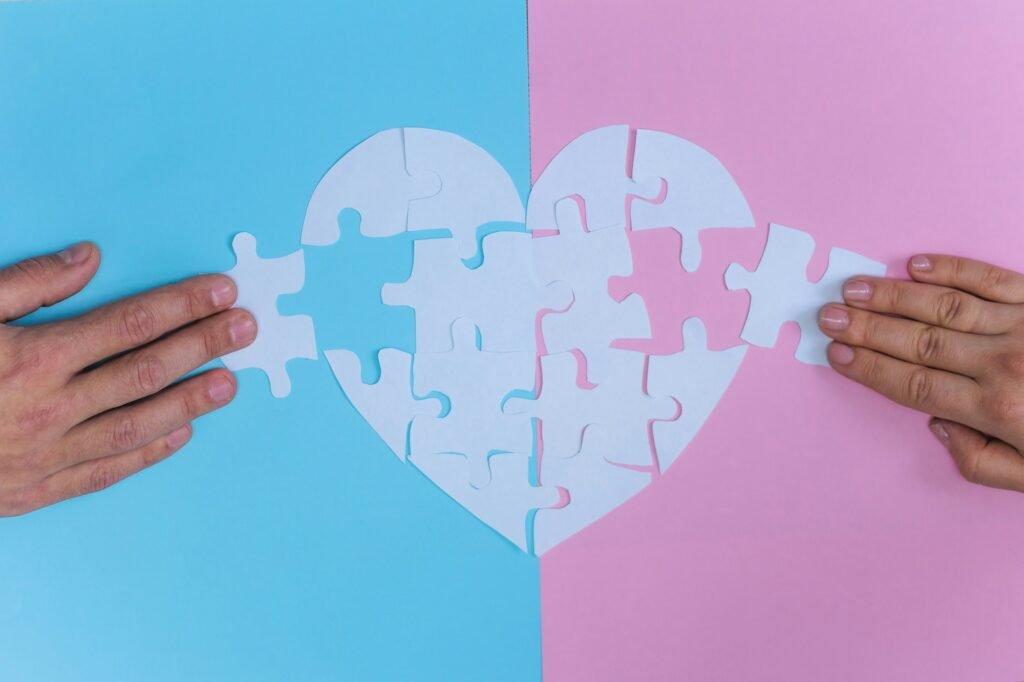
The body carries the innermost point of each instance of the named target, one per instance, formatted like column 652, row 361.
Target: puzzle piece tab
column 506, row 499
column 595, row 486
column 389, row 405
column 372, row 179
column 280, row 338
column 476, row 383
column 696, row 378
column 619, row 406
column 592, row 166
column 700, row 192
column 780, row 292
column 475, row 188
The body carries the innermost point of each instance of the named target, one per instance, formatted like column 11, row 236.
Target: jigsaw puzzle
column 780, row 292
column 699, row 193
column 586, row 261
column 260, row 282
column 619, row 406
column 696, row 378
column 373, row 180
column 593, row 167
column 499, row 296
column 388, row 405
column 475, row 189
column 476, row 383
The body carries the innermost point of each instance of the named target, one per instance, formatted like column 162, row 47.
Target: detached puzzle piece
column 389, row 405
column 700, row 193
column 595, row 486
column 475, row 188
column 504, row 503
column 780, row 292
column 500, row 295
column 619, row 406
column 260, row 282
column 372, row 179
column 592, row 166
column 476, row 383
column 696, row 378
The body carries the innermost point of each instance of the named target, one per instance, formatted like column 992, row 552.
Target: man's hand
column 950, row 344
column 87, row 402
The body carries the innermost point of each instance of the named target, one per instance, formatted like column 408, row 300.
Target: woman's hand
column 87, row 402
column 950, row 344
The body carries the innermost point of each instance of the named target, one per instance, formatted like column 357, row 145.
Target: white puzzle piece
column 389, row 405
column 506, row 500
column 279, row 338
column 696, row 378
column 500, row 295
column 619, row 406
column 700, row 192
column 595, row 485
column 592, row 166
column 780, row 292
column 476, row 383
column 584, row 260
column 372, row 179
column 475, row 188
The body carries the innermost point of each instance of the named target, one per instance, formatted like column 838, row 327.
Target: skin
column 87, row 402
column 950, row 344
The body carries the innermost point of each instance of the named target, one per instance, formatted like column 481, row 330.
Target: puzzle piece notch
column 595, row 486
column 696, row 378
column 260, row 281
column 475, row 188
column 371, row 178
column 500, row 295
column 593, row 166
column 504, row 503
column 476, row 383
column 700, row 194
column 780, row 292
column 389, row 405
column 619, row 406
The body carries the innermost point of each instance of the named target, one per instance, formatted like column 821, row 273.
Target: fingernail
column 177, row 438
column 921, row 264
column 223, row 293
column 857, row 290
column 840, row 354
column 221, row 389
column 243, row 330
column 940, row 432
column 76, row 254
column 834, row 318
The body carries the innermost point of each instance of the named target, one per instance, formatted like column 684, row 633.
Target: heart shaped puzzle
column 518, row 401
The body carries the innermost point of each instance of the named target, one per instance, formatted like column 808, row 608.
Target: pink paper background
column 812, row 531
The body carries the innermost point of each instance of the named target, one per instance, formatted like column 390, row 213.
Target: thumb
column 44, row 280
column 982, row 460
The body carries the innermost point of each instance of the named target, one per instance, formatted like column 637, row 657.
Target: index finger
column 138, row 320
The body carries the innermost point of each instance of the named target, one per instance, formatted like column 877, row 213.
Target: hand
column 950, row 344
column 87, row 402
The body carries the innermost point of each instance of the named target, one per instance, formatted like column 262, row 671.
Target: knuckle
column 211, row 344
column 949, row 308
column 960, row 268
column 150, row 373
column 40, row 417
column 101, row 476
column 1004, row 407
column 970, row 465
column 32, row 269
column 126, row 434
column 928, row 346
column 992, row 278
column 137, row 323
column 195, row 303
column 920, row 389
column 894, row 293
column 1013, row 363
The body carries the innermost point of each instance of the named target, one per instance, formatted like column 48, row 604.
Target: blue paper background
column 285, row 542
